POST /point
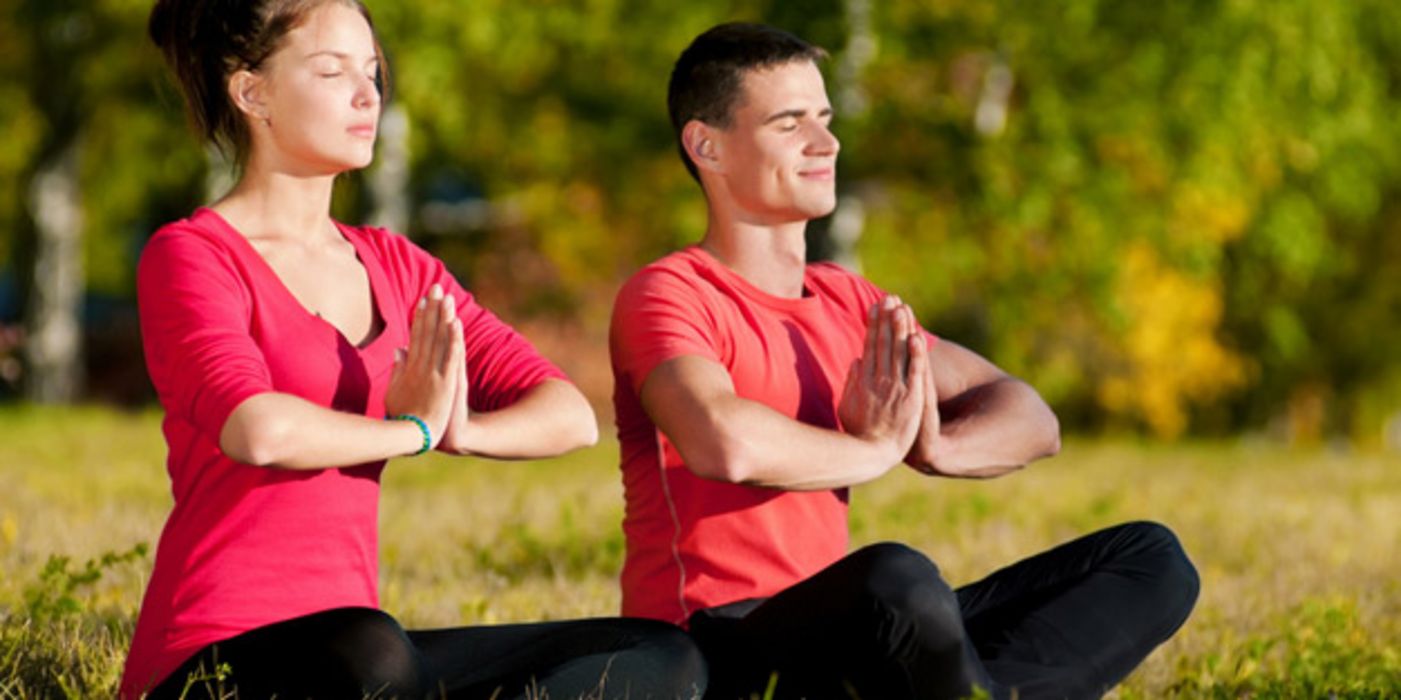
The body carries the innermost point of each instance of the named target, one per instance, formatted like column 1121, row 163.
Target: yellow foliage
column 1171, row 356
column 9, row 530
column 1208, row 212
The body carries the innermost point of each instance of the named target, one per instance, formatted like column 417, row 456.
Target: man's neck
column 771, row 258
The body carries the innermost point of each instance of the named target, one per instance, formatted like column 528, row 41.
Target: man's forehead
column 765, row 87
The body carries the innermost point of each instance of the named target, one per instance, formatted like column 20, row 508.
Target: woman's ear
column 702, row 144
column 246, row 92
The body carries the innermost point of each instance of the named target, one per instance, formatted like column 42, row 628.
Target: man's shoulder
column 835, row 280
column 687, row 260
column 683, row 269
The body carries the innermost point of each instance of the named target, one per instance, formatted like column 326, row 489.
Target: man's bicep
column 682, row 394
column 688, row 398
column 957, row 369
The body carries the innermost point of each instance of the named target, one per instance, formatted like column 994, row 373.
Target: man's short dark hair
column 708, row 78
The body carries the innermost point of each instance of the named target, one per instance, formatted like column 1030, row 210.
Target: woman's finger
column 443, row 341
column 417, row 340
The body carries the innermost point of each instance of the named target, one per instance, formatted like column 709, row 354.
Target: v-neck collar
column 367, row 261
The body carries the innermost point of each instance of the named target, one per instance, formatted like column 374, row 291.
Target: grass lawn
column 1297, row 549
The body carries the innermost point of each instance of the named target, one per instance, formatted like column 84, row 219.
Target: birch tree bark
column 53, row 351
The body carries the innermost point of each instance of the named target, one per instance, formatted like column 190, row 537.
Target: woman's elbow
column 585, row 423
column 584, row 433
column 255, row 440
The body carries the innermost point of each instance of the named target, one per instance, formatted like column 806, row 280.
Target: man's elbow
column 1052, row 442
column 723, row 460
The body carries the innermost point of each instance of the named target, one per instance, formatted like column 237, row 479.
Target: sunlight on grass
column 1296, row 549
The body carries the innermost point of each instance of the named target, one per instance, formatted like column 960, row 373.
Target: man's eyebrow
column 796, row 114
column 786, row 114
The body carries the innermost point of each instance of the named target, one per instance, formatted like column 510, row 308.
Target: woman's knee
column 370, row 652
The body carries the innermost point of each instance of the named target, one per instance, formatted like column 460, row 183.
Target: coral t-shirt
column 248, row 546
column 694, row 543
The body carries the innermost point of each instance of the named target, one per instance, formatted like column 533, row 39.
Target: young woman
column 279, row 342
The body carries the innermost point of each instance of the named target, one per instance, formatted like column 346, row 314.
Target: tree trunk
column 53, row 350
column 389, row 180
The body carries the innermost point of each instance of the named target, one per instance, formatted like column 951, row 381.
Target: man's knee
column 670, row 646
column 908, row 599
column 1158, row 555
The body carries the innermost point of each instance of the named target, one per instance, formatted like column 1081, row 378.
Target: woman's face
column 319, row 94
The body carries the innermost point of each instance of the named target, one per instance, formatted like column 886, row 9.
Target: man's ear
column 246, row 93
column 702, row 145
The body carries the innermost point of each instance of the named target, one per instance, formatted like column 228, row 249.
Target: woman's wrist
column 420, row 428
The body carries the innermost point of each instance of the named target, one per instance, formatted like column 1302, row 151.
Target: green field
column 1301, row 581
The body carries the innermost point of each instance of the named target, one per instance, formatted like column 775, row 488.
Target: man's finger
column 884, row 350
column 900, row 346
column 868, row 356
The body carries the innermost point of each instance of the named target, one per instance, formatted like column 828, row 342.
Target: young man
column 752, row 390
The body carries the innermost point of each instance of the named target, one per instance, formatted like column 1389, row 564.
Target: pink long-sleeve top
column 247, row 546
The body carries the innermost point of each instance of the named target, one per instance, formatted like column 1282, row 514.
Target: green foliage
column 1320, row 649
column 1169, row 217
column 55, row 597
column 1166, row 216
column 61, row 643
column 1289, row 587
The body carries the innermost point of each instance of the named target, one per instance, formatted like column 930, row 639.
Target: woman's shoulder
column 393, row 249
column 202, row 234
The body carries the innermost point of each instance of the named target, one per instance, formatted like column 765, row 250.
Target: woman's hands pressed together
column 429, row 379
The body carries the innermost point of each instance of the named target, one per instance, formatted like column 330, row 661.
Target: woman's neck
column 270, row 205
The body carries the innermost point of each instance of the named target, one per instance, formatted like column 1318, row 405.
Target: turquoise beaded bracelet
column 423, row 427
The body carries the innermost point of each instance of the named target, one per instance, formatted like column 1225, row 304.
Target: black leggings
column 882, row 623
column 363, row 653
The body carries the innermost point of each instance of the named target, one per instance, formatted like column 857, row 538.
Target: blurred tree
column 93, row 159
column 52, row 36
column 1164, row 219
column 1168, row 216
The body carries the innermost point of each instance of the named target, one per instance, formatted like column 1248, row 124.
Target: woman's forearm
column 288, row 432
column 550, row 419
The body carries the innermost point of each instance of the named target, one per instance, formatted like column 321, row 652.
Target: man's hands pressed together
column 887, row 387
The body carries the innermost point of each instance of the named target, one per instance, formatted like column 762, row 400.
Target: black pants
column 882, row 624
column 364, row 653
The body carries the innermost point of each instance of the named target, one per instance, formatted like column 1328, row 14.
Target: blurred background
column 1173, row 218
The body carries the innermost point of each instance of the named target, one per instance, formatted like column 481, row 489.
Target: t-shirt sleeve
column 861, row 291
column 659, row 315
column 195, row 311
column 501, row 364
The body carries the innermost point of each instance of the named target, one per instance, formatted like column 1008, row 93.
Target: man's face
column 778, row 157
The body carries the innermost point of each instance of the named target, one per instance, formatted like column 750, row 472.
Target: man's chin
column 819, row 209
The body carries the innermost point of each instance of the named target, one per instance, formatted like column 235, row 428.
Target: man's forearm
column 988, row 431
column 752, row 444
